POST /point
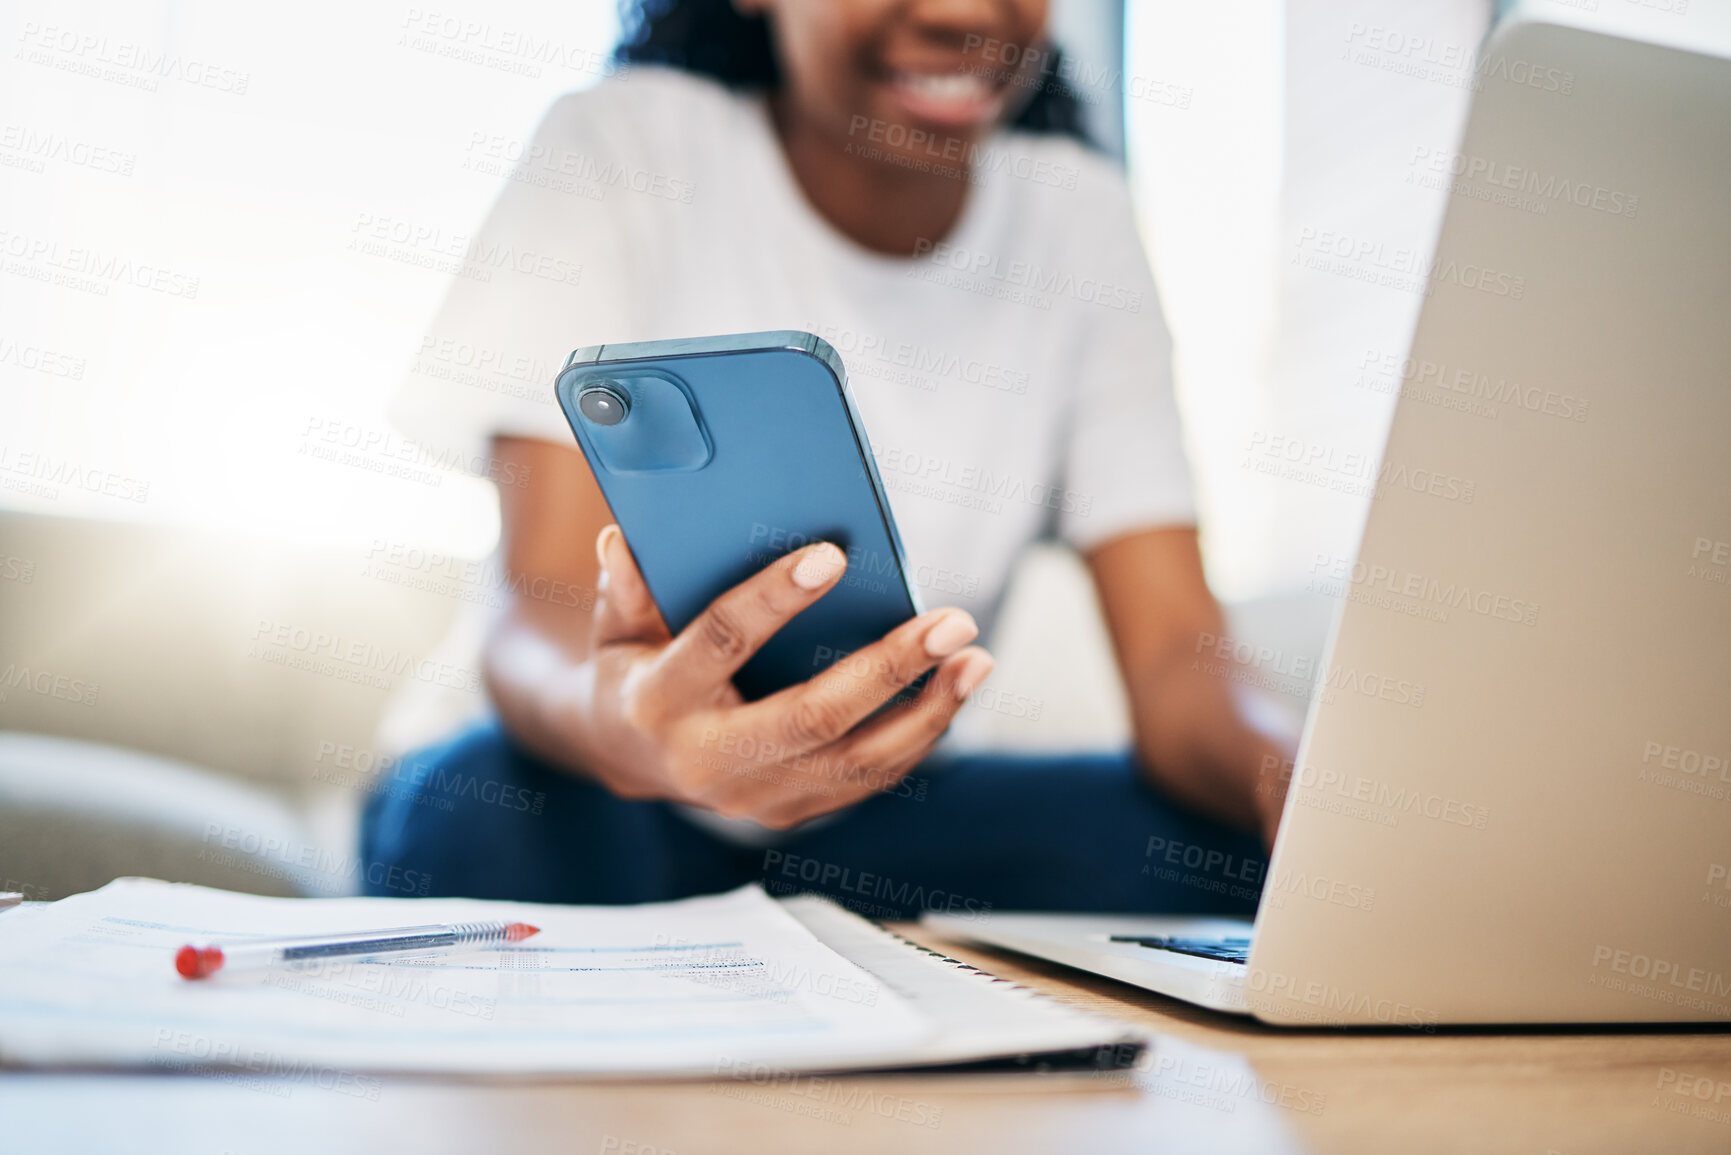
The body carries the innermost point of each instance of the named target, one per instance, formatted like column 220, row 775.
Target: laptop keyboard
column 1233, row 950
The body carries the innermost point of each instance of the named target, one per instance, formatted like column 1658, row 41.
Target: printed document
column 694, row 987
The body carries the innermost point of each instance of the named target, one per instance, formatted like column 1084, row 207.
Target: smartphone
column 719, row 455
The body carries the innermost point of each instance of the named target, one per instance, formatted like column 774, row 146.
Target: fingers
column 741, row 773
column 899, row 738
column 626, row 611
column 819, row 711
column 805, row 756
column 879, row 754
column 711, row 649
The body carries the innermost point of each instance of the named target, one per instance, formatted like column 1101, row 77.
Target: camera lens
column 603, row 404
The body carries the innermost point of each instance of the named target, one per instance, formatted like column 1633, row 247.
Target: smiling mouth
column 953, row 99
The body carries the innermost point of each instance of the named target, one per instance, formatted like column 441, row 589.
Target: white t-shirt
column 1014, row 378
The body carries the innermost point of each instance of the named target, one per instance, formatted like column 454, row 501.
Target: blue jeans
column 481, row 817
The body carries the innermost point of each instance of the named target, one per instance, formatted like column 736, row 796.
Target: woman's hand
column 657, row 716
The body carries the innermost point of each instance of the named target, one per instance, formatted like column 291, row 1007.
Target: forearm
column 542, row 692
column 1197, row 746
column 536, row 661
column 1195, row 741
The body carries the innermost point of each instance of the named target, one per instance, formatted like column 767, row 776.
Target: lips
column 953, row 99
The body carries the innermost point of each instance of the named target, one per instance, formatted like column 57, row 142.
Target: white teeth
column 957, row 86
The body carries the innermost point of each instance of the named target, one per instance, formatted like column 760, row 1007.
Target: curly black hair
column 712, row 38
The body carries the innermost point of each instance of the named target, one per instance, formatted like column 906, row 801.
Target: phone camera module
column 603, row 404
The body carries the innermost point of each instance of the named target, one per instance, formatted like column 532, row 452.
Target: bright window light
column 181, row 183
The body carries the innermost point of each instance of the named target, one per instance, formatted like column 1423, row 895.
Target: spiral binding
column 1104, row 1057
column 1019, row 988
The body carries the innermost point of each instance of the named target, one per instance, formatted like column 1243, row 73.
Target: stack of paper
column 701, row 987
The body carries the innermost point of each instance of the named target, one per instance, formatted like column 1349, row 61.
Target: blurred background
column 224, row 230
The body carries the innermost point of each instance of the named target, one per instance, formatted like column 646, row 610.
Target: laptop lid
column 1520, row 750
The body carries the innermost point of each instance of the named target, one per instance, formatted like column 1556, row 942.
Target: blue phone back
column 745, row 448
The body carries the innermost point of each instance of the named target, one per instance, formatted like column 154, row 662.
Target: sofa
column 151, row 724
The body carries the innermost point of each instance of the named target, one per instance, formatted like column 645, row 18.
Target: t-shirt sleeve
column 1124, row 463
column 545, row 273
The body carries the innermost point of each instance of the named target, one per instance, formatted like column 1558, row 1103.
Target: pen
column 197, row 962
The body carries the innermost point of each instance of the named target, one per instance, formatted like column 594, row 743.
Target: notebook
column 727, row 985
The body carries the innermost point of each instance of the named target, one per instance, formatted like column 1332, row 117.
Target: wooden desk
column 1213, row 1084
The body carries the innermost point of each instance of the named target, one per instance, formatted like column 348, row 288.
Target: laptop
column 1512, row 798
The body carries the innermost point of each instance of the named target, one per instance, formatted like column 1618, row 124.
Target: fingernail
column 820, row 563
column 976, row 670
column 953, row 631
column 602, row 541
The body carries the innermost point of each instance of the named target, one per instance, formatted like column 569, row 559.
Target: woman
column 839, row 166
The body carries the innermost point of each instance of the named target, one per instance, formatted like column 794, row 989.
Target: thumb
column 625, row 611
